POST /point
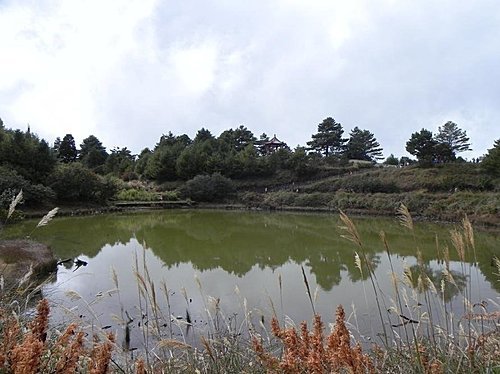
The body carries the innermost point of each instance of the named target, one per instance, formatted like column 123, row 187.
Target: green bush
column 170, row 196
column 252, row 199
column 134, row 194
column 34, row 194
column 280, row 198
column 315, row 200
column 208, row 188
column 76, row 183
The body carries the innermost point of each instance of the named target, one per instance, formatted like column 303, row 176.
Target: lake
column 235, row 269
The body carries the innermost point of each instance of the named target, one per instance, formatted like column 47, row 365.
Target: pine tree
column 362, row 145
column 451, row 135
column 491, row 162
column 66, row 150
column 328, row 140
column 423, row 146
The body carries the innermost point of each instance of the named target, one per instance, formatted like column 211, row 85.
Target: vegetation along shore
column 421, row 331
column 329, row 173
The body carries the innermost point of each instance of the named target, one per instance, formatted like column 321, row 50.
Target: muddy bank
column 17, row 257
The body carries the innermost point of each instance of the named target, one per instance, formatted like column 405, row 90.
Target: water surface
column 240, row 264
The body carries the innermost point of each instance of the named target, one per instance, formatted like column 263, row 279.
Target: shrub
column 281, row 198
column 74, row 182
column 34, row 194
column 208, row 188
column 134, row 194
column 251, row 198
column 170, row 196
column 315, row 199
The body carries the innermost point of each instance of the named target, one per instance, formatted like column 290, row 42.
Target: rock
column 16, row 257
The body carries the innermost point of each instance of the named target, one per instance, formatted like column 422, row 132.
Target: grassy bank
column 481, row 207
column 445, row 193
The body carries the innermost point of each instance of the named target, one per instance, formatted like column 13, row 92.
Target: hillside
column 445, row 192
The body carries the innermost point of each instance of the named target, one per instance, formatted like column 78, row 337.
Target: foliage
column 491, row 162
column 455, row 138
column 302, row 163
column 142, row 161
column 66, row 149
column 328, row 140
column 391, row 160
column 441, row 148
column 119, row 162
column 92, row 153
column 422, row 145
column 161, row 164
column 133, row 194
column 235, row 140
column 74, row 182
column 196, row 158
column 170, row 195
column 34, row 194
column 208, row 188
column 25, row 153
column 362, row 145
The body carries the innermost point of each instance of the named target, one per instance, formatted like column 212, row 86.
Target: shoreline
column 73, row 211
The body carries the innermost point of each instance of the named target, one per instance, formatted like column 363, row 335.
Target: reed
column 420, row 333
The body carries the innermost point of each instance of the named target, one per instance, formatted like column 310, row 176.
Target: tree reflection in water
column 249, row 250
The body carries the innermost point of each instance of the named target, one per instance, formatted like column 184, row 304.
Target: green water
column 251, row 262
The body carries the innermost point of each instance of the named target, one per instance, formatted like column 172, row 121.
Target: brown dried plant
column 27, row 356
column 41, row 322
column 309, row 351
column 10, row 338
column 34, row 353
column 101, row 355
column 140, row 366
column 69, row 347
column 24, row 354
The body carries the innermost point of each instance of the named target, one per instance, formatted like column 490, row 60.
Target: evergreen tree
column 161, row 165
column 362, row 145
column 66, row 149
column 142, row 161
column 203, row 134
column 328, row 140
column 451, row 135
column 491, row 162
column 235, row 140
column 25, row 153
column 92, row 153
column 196, row 159
column 119, row 162
column 391, row 160
column 423, row 146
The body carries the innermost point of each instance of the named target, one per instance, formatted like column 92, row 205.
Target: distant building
column 271, row 146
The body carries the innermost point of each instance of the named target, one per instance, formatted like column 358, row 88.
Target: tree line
column 66, row 172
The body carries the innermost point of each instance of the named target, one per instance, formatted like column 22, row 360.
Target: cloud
column 58, row 55
column 129, row 71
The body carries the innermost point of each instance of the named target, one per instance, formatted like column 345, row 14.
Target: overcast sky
column 128, row 71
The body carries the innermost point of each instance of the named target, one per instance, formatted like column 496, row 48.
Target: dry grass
column 307, row 351
column 26, row 348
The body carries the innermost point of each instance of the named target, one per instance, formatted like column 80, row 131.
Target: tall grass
column 421, row 333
